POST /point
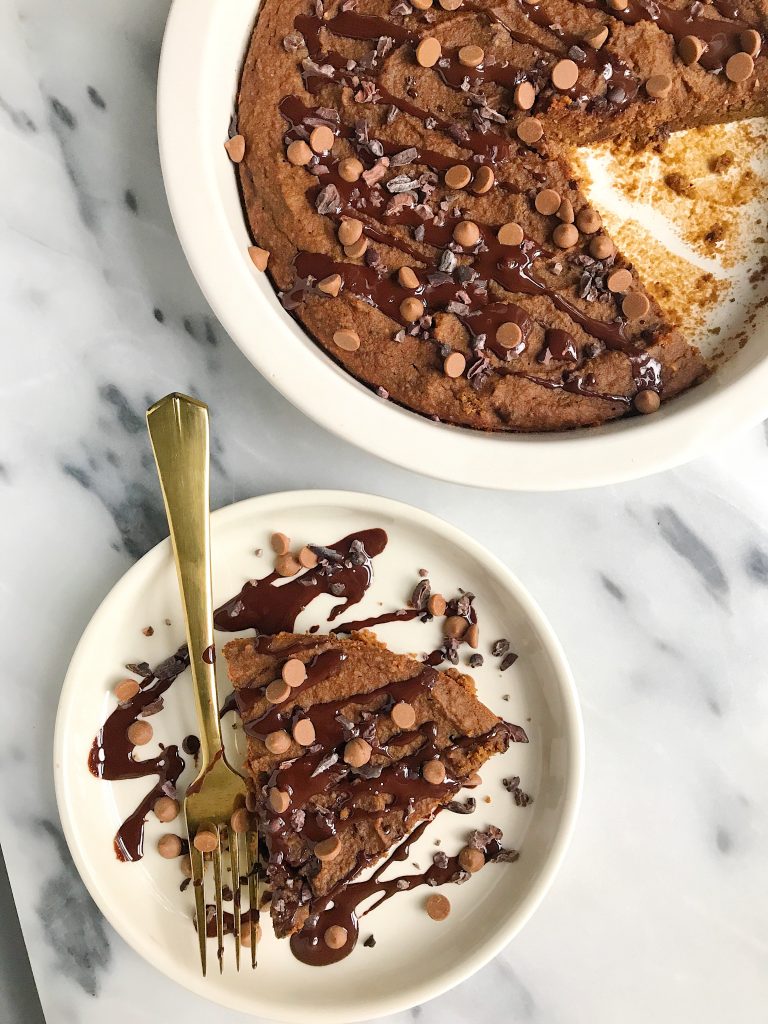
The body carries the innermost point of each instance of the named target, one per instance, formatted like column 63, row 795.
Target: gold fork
column 178, row 429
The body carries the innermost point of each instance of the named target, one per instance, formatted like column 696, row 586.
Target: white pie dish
column 200, row 65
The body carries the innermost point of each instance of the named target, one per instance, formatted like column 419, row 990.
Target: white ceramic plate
column 142, row 899
column 202, row 53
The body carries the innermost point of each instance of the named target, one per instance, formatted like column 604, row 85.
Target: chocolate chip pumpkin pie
column 350, row 747
column 405, row 177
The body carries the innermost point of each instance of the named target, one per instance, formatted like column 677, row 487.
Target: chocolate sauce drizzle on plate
column 339, row 907
column 112, row 754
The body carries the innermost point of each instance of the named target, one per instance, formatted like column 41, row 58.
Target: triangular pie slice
column 346, row 761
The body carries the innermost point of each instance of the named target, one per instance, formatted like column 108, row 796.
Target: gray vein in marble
column 723, row 840
column 682, row 539
column 63, row 124
column 71, row 923
column 19, row 118
column 128, row 418
column 129, row 196
column 613, row 588
column 96, row 98
column 757, row 565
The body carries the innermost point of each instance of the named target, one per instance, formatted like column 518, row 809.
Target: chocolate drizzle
column 339, row 907
column 267, row 608
column 401, row 615
column 111, row 756
column 451, row 284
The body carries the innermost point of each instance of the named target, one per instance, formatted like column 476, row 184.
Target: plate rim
column 573, row 729
column 627, row 449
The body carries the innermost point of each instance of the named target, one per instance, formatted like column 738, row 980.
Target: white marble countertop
column 659, row 589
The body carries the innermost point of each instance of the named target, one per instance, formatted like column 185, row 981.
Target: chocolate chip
column 499, row 648
column 370, row 942
column 475, row 660
column 508, row 661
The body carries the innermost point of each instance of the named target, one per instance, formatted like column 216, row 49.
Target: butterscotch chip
column 647, row 401
column 126, row 690
column 250, row 932
column 277, row 692
column 350, row 168
column 690, row 48
column 455, row 625
column 471, row 56
column 436, row 604
column 240, row 821
column 530, row 130
column 357, row 249
column 304, row 732
column 454, row 364
column 547, row 201
column 411, row 309
column 438, row 906
column 169, row 846
column 235, row 147
column 428, row 52
column 259, row 257
column 277, row 742
column 357, row 752
column 565, row 74
column 484, row 179
column 450, row 5
column 618, row 5
column 510, row 234
column 403, row 715
column 335, row 937
column 619, row 281
column 328, row 849
column 472, row 636
column 322, row 138
column 635, row 306
column 473, row 781
column 421, row 5
column 466, row 233
column 330, row 285
column 350, row 231
column 206, row 841
column 280, row 543
column 286, row 565
column 601, row 247
column 139, row 733
column 565, row 236
column 565, row 212
column 458, row 176
column 658, row 86
column 524, row 96
column 739, row 67
column 750, row 42
column 471, row 859
column 407, row 278
column 596, row 37
column 588, row 221
column 509, row 335
column 347, row 340
column 279, row 800
column 186, row 865
column 293, row 672
column 434, row 772
column 166, row 808
column 307, row 558
column 299, row 153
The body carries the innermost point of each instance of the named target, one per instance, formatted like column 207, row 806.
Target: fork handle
column 178, row 430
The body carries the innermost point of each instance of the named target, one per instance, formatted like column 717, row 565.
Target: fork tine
column 252, row 860
column 234, row 857
column 216, row 857
column 198, row 877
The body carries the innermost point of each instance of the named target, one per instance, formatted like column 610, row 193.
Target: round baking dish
column 200, row 64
